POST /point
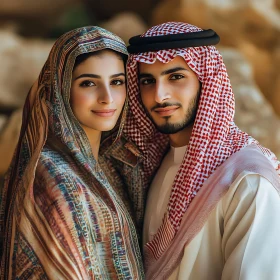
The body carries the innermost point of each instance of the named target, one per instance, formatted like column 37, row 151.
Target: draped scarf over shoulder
column 60, row 218
column 215, row 137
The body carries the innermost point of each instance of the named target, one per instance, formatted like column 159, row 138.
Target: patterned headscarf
column 215, row 137
column 48, row 118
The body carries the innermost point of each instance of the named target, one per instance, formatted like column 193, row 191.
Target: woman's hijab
column 60, row 218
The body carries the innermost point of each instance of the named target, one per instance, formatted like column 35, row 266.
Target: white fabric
column 240, row 239
column 161, row 188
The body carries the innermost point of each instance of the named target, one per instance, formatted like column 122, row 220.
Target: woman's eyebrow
column 117, row 75
column 98, row 76
column 88, row 76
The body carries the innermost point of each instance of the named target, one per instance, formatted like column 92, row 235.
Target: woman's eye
column 117, row 82
column 176, row 77
column 87, row 84
column 147, row 81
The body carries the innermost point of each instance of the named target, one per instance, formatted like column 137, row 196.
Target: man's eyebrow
column 166, row 72
column 97, row 76
column 172, row 70
column 144, row 75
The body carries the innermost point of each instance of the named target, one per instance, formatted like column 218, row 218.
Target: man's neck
column 181, row 138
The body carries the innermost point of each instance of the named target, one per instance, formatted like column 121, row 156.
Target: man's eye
column 87, row 84
column 147, row 81
column 176, row 77
column 117, row 82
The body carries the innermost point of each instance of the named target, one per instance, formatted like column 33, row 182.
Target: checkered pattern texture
column 214, row 137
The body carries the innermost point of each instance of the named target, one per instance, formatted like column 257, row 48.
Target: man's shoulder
column 248, row 155
column 241, row 166
column 250, row 169
column 250, row 183
column 251, row 189
column 250, row 159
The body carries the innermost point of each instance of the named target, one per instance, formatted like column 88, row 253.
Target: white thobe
column 241, row 237
column 160, row 190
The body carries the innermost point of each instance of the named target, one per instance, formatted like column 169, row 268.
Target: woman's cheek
column 82, row 99
column 120, row 97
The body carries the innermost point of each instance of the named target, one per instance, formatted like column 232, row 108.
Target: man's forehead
column 159, row 66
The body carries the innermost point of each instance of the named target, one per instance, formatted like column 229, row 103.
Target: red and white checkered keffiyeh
column 214, row 137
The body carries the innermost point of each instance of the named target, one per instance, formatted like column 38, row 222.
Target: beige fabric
column 240, row 239
column 162, row 184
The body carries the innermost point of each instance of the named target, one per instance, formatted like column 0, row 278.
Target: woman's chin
column 107, row 127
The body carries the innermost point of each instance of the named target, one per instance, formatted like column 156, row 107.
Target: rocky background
column 250, row 45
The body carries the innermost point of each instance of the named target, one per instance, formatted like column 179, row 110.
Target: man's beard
column 172, row 128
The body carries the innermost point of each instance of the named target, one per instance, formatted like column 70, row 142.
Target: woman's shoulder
column 54, row 177
column 53, row 162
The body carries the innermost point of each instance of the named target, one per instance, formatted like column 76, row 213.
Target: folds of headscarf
column 47, row 113
column 215, row 137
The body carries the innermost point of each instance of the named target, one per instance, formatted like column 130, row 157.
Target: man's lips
column 166, row 111
column 104, row 113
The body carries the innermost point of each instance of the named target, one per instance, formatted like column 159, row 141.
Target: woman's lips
column 166, row 111
column 104, row 113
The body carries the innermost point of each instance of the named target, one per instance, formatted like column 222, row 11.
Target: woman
column 60, row 216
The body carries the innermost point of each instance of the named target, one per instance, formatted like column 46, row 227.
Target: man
column 213, row 203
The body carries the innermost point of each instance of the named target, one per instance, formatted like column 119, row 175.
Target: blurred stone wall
column 253, row 113
column 21, row 61
column 33, row 17
column 252, row 27
column 22, row 58
column 250, row 45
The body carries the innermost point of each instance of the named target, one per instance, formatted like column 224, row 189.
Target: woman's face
column 98, row 91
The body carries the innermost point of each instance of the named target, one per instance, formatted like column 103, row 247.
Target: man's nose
column 161, row 92
column 105, row 95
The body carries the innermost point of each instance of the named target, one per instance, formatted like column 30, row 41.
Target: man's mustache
column 165, row 104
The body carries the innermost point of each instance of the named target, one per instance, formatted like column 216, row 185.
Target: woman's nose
column 105, row 95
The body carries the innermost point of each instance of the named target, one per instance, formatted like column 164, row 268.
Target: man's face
column 170, row 94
